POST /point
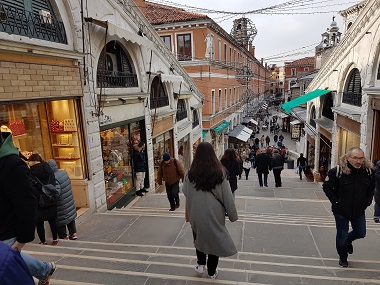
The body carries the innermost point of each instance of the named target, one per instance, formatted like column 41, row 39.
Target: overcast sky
column 279, row 34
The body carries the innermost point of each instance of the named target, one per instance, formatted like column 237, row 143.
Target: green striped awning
column 221, row 127
column 288, row 106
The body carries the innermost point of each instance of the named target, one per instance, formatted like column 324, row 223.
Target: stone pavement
column 283, row 236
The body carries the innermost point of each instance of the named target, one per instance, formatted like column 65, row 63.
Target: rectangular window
column 184, row 47
column 225, row 53
column 293, row 72
column 220, row 99
column 225, row 103
column 219, row 50
column 231, row 102
column 213, row 102
column 378, row 72
column 234, row 57
column 230, row 55
column 168, row 42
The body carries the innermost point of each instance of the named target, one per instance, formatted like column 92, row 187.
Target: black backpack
column 47, row 193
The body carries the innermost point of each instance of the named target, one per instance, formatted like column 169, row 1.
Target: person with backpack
column 42, row 174
column 18, row 209
column 171, row 171
column 66, row 210
column 349, row 186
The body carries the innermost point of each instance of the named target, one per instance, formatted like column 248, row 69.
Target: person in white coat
column 208, row 200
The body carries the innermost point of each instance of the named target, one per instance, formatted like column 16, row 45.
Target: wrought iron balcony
column 351, row 98
column 116, row 79
column 181, row 115
column 195, row 123
column 18, row 21
column 160, row 102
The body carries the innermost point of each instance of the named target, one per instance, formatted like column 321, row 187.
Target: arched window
column 312, row 117
column 181, row 110
column 114, row 68
column 195, row 118
column 158, row 96
column 327, row 105
column 353, row 91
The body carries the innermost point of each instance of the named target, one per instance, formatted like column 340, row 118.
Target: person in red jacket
column 171, row 171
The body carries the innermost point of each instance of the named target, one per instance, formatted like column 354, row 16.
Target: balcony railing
column 116, row 79
column 351, row 98
column 181, row 115
column 17, row 21
column 160, row 102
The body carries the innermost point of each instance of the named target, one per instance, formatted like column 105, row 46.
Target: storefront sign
column 296, row 132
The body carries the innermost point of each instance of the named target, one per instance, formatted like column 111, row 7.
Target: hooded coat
column 17, row 200
column 66, row 210
column 207, row 218
column 351, row 191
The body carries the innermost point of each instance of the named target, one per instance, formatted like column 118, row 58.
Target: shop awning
column 220, row 128
column 171, row 78
column 288, row 106
column 325, row 123
column 309, row 131
column 295, row 122
column 350, row 113
column 132, row 37
column 241, row 133
column 247, row 120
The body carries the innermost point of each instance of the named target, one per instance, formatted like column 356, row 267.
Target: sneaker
column 55, row 242
column 45, row 281
column 214, row 276
column 350, row 248
column 74, row 237
column 343, row 263
column 199, row 268
column 177, row 205
column 138, row 193
column 67, row 238
column 43, row 243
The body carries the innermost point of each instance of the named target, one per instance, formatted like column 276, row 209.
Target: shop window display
column 50, row 129
column 117, row 160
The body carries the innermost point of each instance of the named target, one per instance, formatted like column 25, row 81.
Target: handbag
column 218, row 200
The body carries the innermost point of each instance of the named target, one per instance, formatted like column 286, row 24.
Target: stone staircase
column 146, row 244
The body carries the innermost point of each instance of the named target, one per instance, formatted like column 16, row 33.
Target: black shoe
column 377, row 220
column 144, row 191
column 266, row 185
column 138, row 193
column 343, row 263
column 177, row 205
column 350, row 248
column 172, row 209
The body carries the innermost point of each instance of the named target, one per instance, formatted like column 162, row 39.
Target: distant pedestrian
column 240, row 161
column 66, row 210
column 267, row 140
column 231, row 163
column 257, row 142
column 140, row 167
column 275, row 138
column 252, row 157
column 277, row 167
column 376, row 214
column 171, row 171
column 262, row 140
column 301, row 164
column 349, row 187
column 281, row 137
column 208, row 201
column 246, row 167
column 263, row 166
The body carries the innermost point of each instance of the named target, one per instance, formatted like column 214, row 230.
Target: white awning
column 282, row 115
column 309, row 131
column 171, row 78
column 243, row 136
column 129, row 36
column 241, row 133
column 295, row 122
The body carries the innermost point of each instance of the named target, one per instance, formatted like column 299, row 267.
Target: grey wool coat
column 207, row 218
column 66, row 211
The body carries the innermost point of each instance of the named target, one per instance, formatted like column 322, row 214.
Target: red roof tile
column 161, row 14
column 302, row 61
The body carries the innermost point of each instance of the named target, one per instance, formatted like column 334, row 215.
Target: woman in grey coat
column 208, row 200
column 66, row 211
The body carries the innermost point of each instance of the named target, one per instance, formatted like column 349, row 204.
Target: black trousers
column 172, row 193
column 246, row 172
column 212, row 261
column 277, row 177
column 41, row 229
column 62, row 229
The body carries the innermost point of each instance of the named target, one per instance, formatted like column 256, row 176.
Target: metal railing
column 181, row 115
column 116, row 79
column 160, row 102
column 351, row 98
column 18, row 21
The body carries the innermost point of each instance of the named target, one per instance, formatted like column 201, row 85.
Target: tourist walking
column 277, row 167
column 267, row 140
column 349, row 187
column 247, row 167
column 262, row 140
column 231, row 163
column 275, row 138
column 301, row 164
column 208, row 201
column 263, row 166
column 171, row 171
column 140, row 166
column 66, row 210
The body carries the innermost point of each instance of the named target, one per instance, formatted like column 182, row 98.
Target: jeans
column 300, row 169
column 343, row 237
column 38, row 269
column 376, row 214
column 70, row 226
column 260, row 175
column 172, row 193
column 140, row 176
column 212, row 262
column 277, row 177
column 246, row 170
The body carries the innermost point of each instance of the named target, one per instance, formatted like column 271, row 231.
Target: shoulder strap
column 338, row 171
column 218, row 200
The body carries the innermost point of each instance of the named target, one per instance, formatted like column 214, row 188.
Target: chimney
column 140, row 4
column 252, row 49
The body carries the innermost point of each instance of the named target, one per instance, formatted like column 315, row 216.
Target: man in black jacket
column 277, row 167
column 349, row 187
column 18, row 207
column 263, row 166
column 139, row 165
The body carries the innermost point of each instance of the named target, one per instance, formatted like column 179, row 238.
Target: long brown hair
column 206, row 170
